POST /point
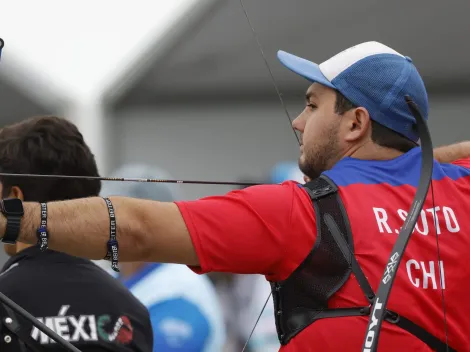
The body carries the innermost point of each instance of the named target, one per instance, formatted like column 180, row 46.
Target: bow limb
column 378, row 310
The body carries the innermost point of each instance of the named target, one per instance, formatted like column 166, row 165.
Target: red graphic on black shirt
column 126, row 331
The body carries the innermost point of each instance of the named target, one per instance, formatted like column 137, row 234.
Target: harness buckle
column 392, row 317
column 365, row 310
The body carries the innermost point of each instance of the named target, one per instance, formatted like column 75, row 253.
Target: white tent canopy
column 65, row 54
column 78, row 47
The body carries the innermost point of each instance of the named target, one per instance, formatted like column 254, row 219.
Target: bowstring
column 440, row 269
column 256, row 323
column 270, row 72
column 273, row 80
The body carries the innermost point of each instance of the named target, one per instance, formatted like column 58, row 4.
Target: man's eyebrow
column 310, row 95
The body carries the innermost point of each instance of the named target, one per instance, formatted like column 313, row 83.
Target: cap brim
column 304, row 68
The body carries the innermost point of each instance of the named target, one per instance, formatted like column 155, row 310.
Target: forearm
column 146, row 230
column 453, row 152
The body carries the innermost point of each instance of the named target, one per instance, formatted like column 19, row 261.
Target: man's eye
column 311, row 106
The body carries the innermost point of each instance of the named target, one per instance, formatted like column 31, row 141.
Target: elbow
column 142, row 242
column 155, row 232
column 133, row 229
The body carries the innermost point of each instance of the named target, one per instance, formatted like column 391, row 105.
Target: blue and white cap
column 373, row 76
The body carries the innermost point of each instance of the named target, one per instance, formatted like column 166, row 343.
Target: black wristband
column 112, row 244
column 12, row 209
column 42, row 234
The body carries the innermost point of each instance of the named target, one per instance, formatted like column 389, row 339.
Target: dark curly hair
column 47, row 145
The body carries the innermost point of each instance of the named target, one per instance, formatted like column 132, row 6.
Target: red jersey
column 270, row 229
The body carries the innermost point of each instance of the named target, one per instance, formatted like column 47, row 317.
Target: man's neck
column 372, row 151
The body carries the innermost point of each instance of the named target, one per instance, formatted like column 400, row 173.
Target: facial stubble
column 318, row 157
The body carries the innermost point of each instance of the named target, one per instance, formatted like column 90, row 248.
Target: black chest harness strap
column 298, row 303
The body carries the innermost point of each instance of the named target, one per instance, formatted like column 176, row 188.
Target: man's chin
column 302, row 166
column 309, row 173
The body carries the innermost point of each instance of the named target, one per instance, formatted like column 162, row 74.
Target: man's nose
column 297, row 124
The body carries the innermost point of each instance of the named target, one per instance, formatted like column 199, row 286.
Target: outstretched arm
column 146, row 230
column 209, row 234
column 453, row 152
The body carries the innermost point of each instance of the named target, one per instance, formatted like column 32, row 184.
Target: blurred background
column 181, row 84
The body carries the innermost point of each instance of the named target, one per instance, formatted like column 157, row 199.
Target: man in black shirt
column 72, row 296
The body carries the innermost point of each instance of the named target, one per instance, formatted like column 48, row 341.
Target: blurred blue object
column 2, row 43
column 184, row 308
column 286, row 170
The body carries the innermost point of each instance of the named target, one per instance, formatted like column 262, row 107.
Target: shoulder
column 271, row 203
column 462, row 163
column 456, row 171
column 267, row 195
column 274, row 217
column 285, row 190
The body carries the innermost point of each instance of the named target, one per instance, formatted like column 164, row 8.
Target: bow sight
column 9, row 312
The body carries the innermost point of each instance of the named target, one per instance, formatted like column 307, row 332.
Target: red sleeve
column 266, row 229
column 462, row 162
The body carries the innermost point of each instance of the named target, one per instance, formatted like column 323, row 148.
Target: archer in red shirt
column 270, row 230
column 357, row 130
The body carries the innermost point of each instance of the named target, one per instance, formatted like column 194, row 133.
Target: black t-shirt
column 76, row 299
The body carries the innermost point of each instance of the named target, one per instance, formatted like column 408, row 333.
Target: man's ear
column 357, row 124
column 16, row 192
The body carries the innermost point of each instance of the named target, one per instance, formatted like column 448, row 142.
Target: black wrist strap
column 42, row 234
column 12, row 228
column 112, row 244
